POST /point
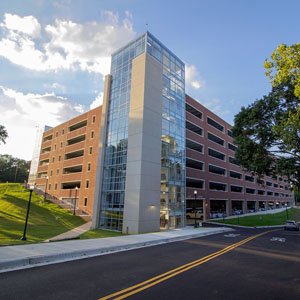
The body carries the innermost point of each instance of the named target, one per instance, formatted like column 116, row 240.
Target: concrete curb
column 39, row 260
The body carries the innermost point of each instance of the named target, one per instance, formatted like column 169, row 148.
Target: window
column 93, row 119
column 73, row 169
column 49, row 186
column 92, row 134
column 216, row 154
column 276, row 194
column 275, row 185
column 75, row 140
column 194, row 146
column 215, row 124
column 234, row 161
column 194, row 128
column 62, row 132
column 259, row 181
column 85, row 201
column 55, row 147
column 78, row 125
column 269, row 183
column 61, row 145
column 89, row 167
column 56, row 134
column 193, row 111
column 229, row 132
column 59, row 158
column 74, row 154
column 194, row 183
column 216, row 170
column 87, row 183
column 55, row 187
column 91, row 150
column 215, row 139
column 250, row 191
column 236, row 189
column 216, row 186
column 53, row 159
column 231, row 147
column 269, row 193
column 51, row 172
column 261, row 192
column 57, row 171
column 249, row 178
column 235, row 175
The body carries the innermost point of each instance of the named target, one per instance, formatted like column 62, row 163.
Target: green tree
column 284, row 66
column 3, row 134
column 266, row 145
column 13, row 169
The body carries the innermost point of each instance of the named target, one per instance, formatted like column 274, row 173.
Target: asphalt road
column 222, row 266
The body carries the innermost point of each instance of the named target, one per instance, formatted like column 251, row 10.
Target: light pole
column 46, row 188
column 76, row 189
column 287, row 214
column 195, row 194
column 23, row 238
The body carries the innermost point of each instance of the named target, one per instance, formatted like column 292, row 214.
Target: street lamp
column 23, row 238
column 287, row 214
column 76, row 189
column 195, row 193
column 46, row 188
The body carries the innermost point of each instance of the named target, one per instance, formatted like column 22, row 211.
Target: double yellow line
column 160, row 278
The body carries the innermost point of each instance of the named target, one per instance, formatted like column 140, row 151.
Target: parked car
column 191, row 214
column 291, row 225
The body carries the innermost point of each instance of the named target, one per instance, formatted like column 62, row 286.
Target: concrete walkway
column 27, row 256
column 74, row 233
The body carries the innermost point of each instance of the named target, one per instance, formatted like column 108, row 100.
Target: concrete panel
column 99, row 172
column 144, row 147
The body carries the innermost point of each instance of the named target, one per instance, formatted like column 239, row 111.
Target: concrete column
column 102, row 139
column 142, row 188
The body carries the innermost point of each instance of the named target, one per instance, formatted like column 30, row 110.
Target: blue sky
column 54, row 54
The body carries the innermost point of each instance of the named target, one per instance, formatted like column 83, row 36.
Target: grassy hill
column 46, row 219
column 265, row 219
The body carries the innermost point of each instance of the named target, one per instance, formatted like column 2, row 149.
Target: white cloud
column 20, row 113
column 28, row 25
column 192, row 78
column 68, row 46
column 98, row 101
column 215, row 105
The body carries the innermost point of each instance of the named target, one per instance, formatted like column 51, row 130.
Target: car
column 191, row 214
column 291, row 225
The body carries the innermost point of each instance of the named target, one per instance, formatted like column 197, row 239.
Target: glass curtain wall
column 115, row 157
column 172, row 200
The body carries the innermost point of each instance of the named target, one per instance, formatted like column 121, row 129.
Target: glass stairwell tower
column 141, row 164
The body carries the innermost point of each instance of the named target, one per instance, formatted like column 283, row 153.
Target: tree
column 13, row 169
column 3, row 134
column 284, row 66
column 267, row 134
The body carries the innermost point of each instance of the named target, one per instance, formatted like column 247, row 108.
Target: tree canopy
column 13, row 169
column 266, row 144
column 3, row 134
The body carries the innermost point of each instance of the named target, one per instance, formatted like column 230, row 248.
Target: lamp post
column 23, row 238
column 287, row 214
column 46, row 188
column 76, row 189
column 195, row 194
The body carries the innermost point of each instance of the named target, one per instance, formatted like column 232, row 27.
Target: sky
column 54, row 54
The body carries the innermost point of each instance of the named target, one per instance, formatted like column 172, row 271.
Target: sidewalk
column 72, row 233
column 27, row 256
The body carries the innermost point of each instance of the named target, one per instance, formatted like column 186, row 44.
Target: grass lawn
column 46, row 219
column 264, row 220
column 99, row 233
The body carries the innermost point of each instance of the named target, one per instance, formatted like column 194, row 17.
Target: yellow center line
column 155, row 280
